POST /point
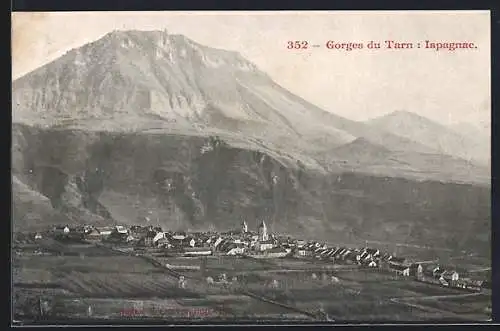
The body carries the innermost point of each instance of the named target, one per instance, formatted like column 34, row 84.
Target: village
column 138, row 240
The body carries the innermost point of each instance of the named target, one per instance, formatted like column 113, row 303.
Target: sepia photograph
column 251, row 167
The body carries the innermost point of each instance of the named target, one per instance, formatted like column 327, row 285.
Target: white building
column 236, row 250
column 178, row 237
column 121, row 229
column 217, row 242
column 158, row 236
column 264, row 245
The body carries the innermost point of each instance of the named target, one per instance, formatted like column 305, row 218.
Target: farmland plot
column 122, row 285
column 33, row 276
column 473, row 304
column 87, row 264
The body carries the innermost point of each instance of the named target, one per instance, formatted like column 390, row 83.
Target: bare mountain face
column 450, row 141
column 153, row 81
column 141, row 127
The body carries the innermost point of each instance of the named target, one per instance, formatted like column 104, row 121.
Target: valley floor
column 100, row 284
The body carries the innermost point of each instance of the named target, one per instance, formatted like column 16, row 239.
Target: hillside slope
column 186, row 182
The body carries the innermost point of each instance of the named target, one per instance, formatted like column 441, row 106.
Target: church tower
column 244, row 227
column 263, row 236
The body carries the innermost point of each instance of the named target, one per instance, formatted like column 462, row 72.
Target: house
column 321, row 252
column 158, row 236
column 386, row 257
column 416, row 269
column 364, row 255
column 434, row 271
column 121, row 229
column 372, row 264
column 276, row 252
column 105, row 231
column 61, row 229
column 264, row 245
column 443, row 281
column 317, row 250
column 345, row 253
column 192, row 242
column 367, row 259
column 475, row 285
column 373, row 252
column 400, row 269
column 236, row 249
column 450, row 276
column 217, row 242
column 92, row 234
column 38, row 236
column 178, row 236
column 331, row 253
column 303, row 252
column 339, row 252
column 301, row 243
column 224, row 246
column 461, row 283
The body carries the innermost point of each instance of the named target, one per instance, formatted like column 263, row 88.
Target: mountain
column 156, row 82
column 148, row 80
column 144, row 126
column 444, row 139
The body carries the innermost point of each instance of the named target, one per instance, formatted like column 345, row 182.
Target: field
column 369, row 296
column 109, row 285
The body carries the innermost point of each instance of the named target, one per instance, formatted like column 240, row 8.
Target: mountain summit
column 139, row 80
column 137, row 72
column 429, row 133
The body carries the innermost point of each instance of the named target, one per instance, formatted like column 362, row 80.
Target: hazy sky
column 445, row 86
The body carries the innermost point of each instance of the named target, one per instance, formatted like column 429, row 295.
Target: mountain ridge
column 432, row 134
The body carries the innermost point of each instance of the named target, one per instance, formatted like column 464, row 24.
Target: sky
column 446, row 86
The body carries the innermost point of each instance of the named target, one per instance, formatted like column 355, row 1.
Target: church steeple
column 244, row 227
column 263, row 236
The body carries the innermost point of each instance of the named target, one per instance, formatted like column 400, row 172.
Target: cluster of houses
column 260, row 244
column 373, row 258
